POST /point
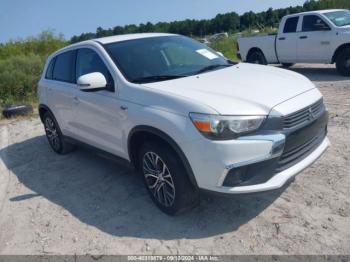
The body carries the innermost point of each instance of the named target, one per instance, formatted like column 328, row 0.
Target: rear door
column 286, row 42
column 61, row 89
column 314, row 40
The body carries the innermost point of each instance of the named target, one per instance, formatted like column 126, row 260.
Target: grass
column 227, row 46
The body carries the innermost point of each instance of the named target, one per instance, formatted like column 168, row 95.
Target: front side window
column 339, row 18
column 291, row 25
column 163, row 58
column 88, row 61
column 313, row 23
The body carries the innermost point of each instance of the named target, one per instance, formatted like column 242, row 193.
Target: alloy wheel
column 52, row 134
column 158, row 179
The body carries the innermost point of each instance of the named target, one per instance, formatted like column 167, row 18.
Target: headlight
column 225, row 127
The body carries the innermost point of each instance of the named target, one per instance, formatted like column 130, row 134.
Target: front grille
column 304, row 115
column 292, row 156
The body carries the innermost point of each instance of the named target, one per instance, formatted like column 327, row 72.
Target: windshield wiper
column 148, row 79
column 212, row 67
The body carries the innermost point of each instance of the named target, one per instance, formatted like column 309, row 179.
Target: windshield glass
column 162, row 58
column 339, row 18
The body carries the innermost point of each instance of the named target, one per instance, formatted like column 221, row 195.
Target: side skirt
column 100, row 152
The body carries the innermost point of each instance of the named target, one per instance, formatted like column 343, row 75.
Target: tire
column 166, row 179
column 343, row 62
column 287, row 65
column 256, row 57
column 54, row 135
column 17, row 110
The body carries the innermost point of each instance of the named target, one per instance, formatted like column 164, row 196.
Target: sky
column 23, row 18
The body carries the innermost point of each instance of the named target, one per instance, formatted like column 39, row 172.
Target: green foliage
column 229, row 22
column 43, row 45
column 227, row 46
column 21, row 64
column 19, row 76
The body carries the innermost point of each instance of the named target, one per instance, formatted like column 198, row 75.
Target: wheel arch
column 254, row 49
column 338, row 50
column 257, row 49
column 141, row 133
column 42, row 110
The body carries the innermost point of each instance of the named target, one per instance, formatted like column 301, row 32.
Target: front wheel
column 166, row 179
column 343, row 62
column 257, row 57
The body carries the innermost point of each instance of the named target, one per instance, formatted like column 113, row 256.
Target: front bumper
column 260, row 162
column 279, row 179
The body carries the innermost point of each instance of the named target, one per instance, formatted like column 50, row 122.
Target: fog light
column 235, row 176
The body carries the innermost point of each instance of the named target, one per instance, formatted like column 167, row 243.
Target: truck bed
column 264, row 43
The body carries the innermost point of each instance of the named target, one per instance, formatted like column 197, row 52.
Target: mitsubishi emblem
column 311, row 114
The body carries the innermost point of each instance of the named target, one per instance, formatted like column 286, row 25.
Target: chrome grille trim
column 303, row 115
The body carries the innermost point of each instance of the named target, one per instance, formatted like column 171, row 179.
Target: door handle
column 303, row 37
column 124, row 108
column 282, row 38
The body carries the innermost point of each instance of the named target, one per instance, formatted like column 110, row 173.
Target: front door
column 314, row 40
column 97, row 113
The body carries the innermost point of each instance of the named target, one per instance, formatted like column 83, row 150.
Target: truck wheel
column 287, row 65
column 257, row 57
column 54, row 135
column 166, row 179
column 343, row 62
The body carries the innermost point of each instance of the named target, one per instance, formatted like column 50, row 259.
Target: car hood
column 242, row 89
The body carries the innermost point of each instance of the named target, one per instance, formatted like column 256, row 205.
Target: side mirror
column 92, row 82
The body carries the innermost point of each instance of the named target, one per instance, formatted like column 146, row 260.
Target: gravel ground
column 83, row 203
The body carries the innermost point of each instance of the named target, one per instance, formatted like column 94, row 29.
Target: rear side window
column 64, row 69
column 291, row 25
column 310, row 23
column 49, row 71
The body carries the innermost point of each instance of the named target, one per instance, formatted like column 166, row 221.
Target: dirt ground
column 82, row 203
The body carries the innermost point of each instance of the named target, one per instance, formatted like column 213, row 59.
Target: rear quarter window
column 49, row 70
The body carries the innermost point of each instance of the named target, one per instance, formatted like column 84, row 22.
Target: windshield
column 339, row 18
column 162, row 58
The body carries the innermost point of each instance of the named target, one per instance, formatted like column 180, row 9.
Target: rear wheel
column 54, row 135
column 256, row 57
column 343, row 62
column 166, row 179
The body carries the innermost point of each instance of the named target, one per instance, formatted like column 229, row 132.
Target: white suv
column 186, row 117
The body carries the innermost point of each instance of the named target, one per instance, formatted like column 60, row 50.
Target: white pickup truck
column 310, row 37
